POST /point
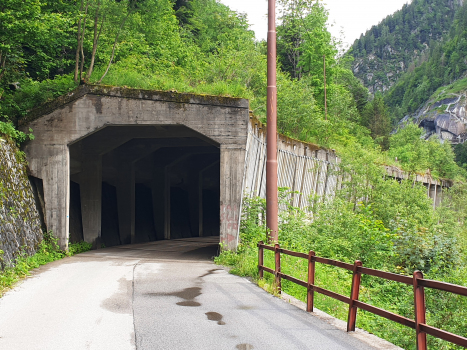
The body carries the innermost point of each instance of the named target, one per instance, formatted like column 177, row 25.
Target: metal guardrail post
column 420, row 310
column 277, row 267
column 311, row 282
column 260, row 259
column 356, row 279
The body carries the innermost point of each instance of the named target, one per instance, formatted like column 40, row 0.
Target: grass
column 447, row 91
column 48, row 251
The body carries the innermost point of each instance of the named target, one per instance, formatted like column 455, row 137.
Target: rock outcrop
column 20, row 224
column 445, row 118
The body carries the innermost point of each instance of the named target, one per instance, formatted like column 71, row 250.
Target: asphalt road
column 161, row 295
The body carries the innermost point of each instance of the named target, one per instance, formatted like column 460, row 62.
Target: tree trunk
column 81, row 67
column 97, row 33
column 113, row 48
column 78, row 44
column 2, row 65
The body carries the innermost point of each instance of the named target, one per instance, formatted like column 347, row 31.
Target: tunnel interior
column 136, row 184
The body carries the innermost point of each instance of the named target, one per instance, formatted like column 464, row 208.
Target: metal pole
column 271, row 163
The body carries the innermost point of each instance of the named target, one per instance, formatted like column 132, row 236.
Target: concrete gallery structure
column 119, row 166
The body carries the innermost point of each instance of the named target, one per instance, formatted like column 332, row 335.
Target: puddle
column 210, row 272
column 245, row 307
column 245, row 347
column 189, row 303
column 188, row 294
column 214, row 316
column 120, row 302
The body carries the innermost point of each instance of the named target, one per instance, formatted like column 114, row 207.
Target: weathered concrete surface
column 164, row 295
column 70, row 122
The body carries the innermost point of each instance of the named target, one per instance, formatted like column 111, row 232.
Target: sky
column 353, row 17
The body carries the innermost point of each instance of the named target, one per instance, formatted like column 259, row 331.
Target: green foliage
column 396, row 231
column 441, row 65
column 401, row 42
column 8, row 129
column 48, row 251
column 418, row 155
column 376, row 118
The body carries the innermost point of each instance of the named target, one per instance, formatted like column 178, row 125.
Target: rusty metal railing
column 417, row 281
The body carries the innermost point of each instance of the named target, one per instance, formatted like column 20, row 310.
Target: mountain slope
column 401, row 42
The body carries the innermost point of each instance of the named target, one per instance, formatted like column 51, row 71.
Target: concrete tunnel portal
column 135, row 184
column 119, row 166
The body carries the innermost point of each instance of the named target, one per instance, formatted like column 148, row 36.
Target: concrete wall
column 20, row 226
column 89, row 109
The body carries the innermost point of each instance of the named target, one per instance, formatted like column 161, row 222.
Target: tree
column 19, row 19
column 376, row 118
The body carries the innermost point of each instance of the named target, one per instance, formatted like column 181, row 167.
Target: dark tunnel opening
column 137, row 184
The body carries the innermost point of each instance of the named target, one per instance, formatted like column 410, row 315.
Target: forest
column 48, row 48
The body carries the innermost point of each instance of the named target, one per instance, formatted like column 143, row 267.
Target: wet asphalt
column 166, row 295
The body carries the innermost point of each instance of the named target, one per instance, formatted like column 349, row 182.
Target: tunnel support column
column 195, row 204
column 91, row 199
column 158, row 202
column 126, row 203
column 232, row 167
column 53, row 168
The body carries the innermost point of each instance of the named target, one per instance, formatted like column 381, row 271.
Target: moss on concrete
column 124, row 92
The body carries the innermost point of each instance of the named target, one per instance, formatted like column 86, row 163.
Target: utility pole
column 272, row 211
column 325, row 91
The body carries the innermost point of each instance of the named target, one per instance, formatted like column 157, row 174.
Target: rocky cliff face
column 20, row 225
column 445, row 118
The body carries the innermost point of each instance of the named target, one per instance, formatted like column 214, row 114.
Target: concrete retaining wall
column 20, row 226
column 308, row 170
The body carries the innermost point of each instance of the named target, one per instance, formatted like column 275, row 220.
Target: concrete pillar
column 200, row 207
column 232, row 167
column 195, row 198
column 158, row 201
column 91, row 198
column 53, row 168
column 126, row 203
column 167, row 202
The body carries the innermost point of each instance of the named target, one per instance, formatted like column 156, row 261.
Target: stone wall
column 20, row 225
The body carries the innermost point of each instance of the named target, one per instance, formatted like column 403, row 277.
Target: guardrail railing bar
column 420, row 310
column 311, row 282
column 260, row 259
column 354, row 293
column 418, row 282
column 277, row 267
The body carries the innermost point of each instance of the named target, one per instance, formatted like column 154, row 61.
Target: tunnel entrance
column 135, row 184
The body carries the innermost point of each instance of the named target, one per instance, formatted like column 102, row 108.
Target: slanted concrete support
column 91, row 198
column 126, row 203
column 232, row 167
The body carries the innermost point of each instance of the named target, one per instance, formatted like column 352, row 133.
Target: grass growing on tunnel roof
column 48, row 251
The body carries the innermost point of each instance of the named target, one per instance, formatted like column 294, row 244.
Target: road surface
column 162, row 295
